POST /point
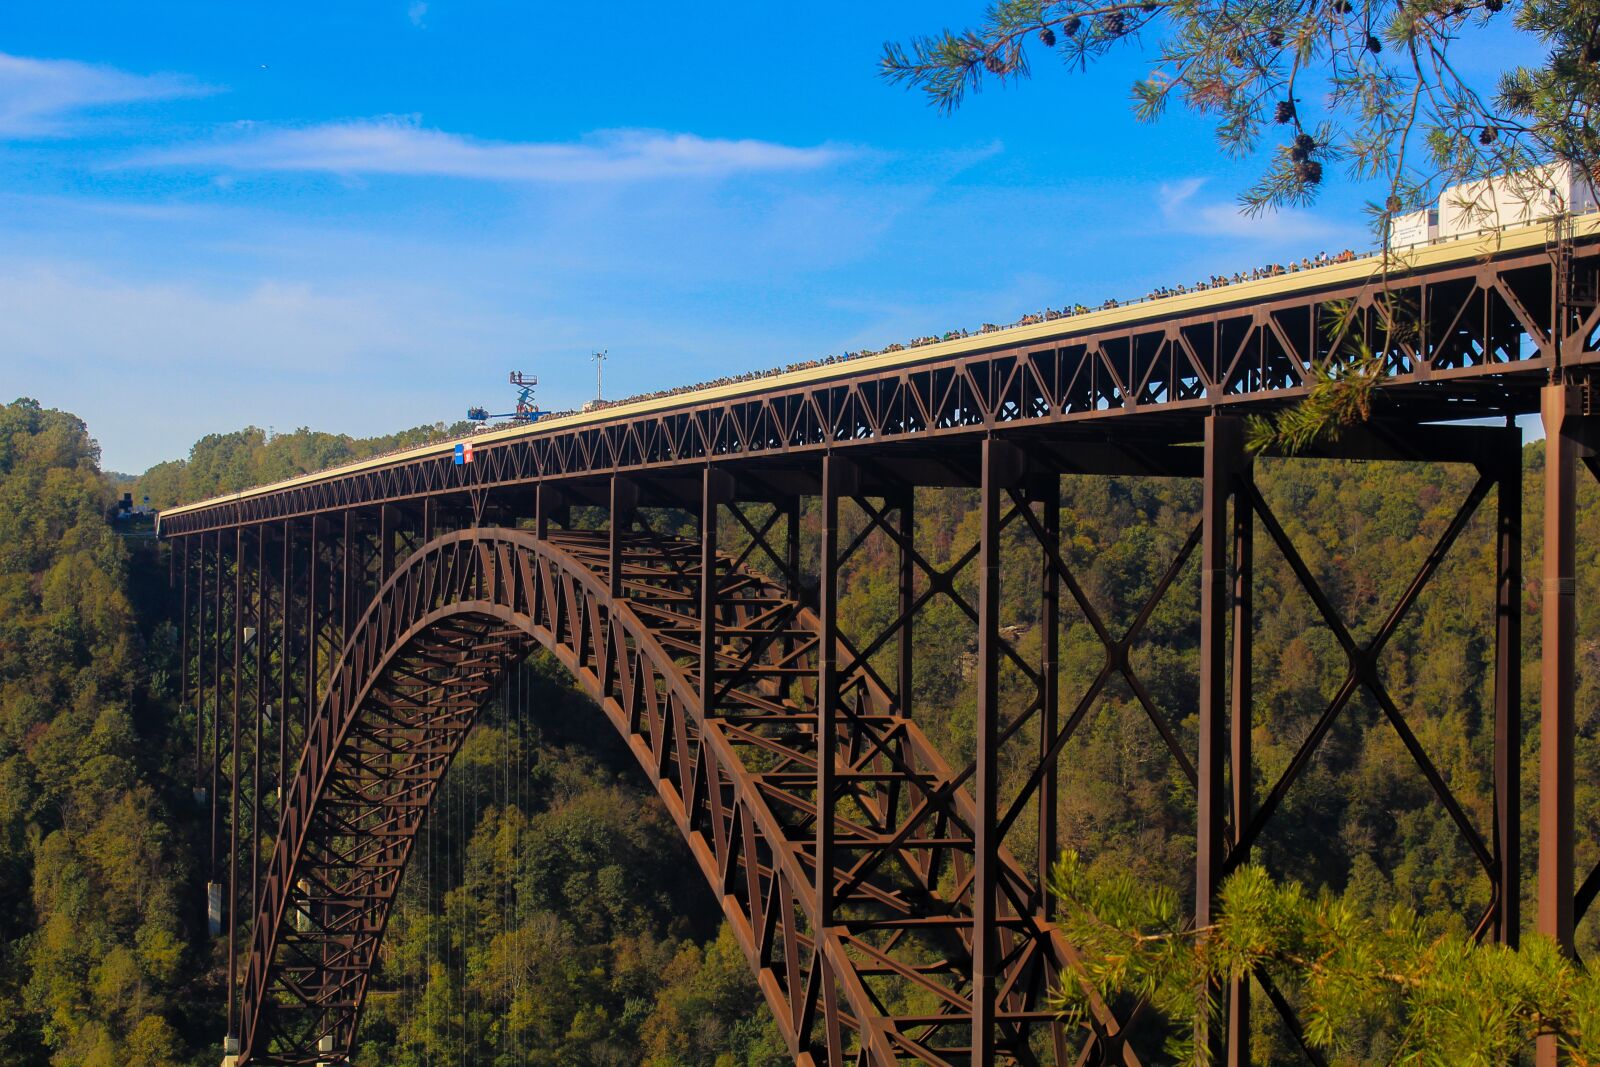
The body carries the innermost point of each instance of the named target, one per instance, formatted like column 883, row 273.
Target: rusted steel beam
column 1224, row 464
column 1002, row 469
column 624, row 502
column 217, row 636
column 1508, row 695
column 716, row 490
column 1241, row 766
column 231, row 905
column 284, row 658
column 1050, row 690
column 837, row 481
column 313, row 590
column 1565, row 444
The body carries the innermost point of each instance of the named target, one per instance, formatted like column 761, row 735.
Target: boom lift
column 527, row 408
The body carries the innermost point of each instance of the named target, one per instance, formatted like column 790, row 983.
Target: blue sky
column 359, row 216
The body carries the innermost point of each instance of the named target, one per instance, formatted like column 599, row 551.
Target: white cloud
column 417, row 12
column 38, row 97
column 401, row 145
column 184, row 359
column 1184, row 211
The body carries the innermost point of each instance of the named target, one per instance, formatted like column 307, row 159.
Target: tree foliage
column 563, row 919
column 1375, row 86
column 93, row 937
column 1444, row 998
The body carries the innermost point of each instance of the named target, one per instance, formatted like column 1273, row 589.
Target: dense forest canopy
column 613, row 954
column 553, row 915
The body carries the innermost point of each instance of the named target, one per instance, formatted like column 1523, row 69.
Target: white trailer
column 1414, row 228
column 1511, row 200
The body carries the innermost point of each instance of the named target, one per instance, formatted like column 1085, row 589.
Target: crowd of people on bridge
column 1216, row 281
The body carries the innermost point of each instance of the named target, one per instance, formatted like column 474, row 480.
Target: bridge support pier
column 1570, row 436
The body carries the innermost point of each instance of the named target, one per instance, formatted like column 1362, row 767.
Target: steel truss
column 889, row 902
column 742, row 783
column 1477, row 340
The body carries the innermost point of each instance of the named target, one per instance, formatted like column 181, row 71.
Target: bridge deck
column 1119, row 394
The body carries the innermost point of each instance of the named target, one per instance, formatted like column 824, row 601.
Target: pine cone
column 1487, row 135
column 1493, row 6
column 1047, row 37
column 1301, row 150
column 1373, row 44
column 1113, row 23
column 1392, row 205
column 1343, row 7
column 1284, row 113
column 1308, row 172
column 1275, row 37
column 1070, row 24
column 994, row 64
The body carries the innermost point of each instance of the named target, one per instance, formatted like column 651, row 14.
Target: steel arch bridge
column 340, row 631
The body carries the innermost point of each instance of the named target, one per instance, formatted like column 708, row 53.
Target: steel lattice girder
column 469, row 603
column 1483, row 346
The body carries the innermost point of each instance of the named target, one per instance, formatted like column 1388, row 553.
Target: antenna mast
column 599, row 358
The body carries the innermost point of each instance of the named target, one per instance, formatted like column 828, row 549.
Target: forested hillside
column 554, row 917
column 99, row 964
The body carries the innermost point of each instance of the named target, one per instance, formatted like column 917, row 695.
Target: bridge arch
column 429, row 650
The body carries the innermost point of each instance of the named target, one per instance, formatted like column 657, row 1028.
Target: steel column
column 386, row 543
column 1240, row 720
column 1049, row 495
column 836, row 473
column 255, row 730
column 216, row 714
column 283, row 666
column 716, row 489
column 906, row 522
column 183, row 637
column 1560, row 409
column 624, row 498
column 1001, row 465
column 232, row 905
column 1508, row 698
column 791, row 546
column 346, row 611
column 1224, row 458
column 312, row 657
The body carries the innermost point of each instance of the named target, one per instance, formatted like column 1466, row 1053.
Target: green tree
column 1439, row 996
column 1375, row 85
